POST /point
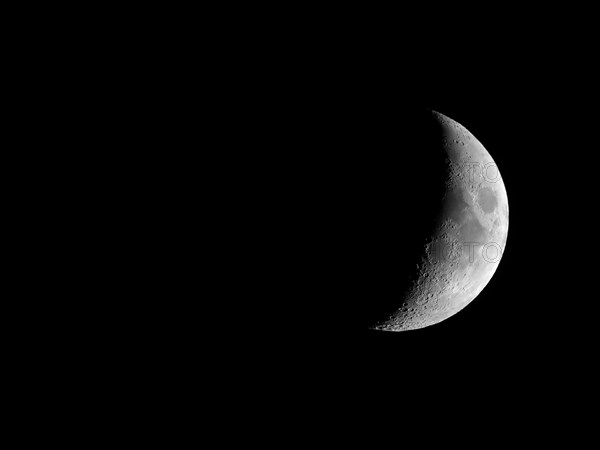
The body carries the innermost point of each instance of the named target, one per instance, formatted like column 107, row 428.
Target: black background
column 276, row 182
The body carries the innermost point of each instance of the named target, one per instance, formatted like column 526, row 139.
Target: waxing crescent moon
column 462, row 254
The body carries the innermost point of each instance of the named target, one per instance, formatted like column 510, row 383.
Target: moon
column 461, row 255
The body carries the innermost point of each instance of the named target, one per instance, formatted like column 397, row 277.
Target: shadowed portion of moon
column 401, row 188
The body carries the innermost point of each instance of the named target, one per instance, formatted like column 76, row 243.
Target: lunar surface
column 462, row 254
